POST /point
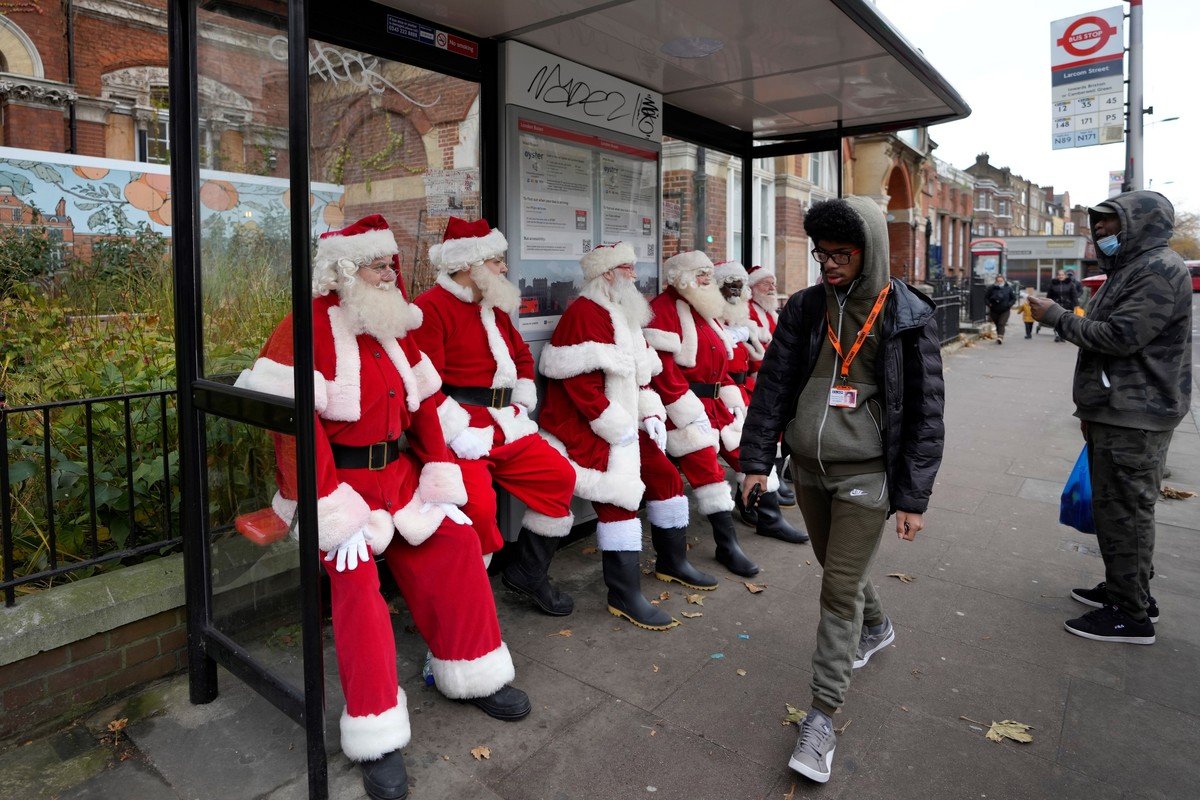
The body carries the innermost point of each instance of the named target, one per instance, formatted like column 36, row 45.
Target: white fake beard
column 765, row 298
column 498, row 291
column 707, row 300
column 630, row 302
column 379, row 310
column 737, row 311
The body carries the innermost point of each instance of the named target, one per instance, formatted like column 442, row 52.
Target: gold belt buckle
column 498, row 397
column 716, row 395
column 371, row 465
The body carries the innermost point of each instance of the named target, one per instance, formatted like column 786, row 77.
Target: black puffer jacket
column 909, row 369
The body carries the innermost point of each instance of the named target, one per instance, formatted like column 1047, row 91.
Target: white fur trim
column 512, row 425
column 412, row 390
column 724, row 335
column 688, row 338
column 619, row 485
column 487, row 560
column 427, row 377
column 361, row 248
column 551, row 527
column 604, row 258
column 686, row 409
column 340, row 515
column 560, row 362
column 416, row 525
column 759, row 274
column 773, row 480
column 271, row 377
column 460, row 679
column 442, row 482
column 757, row 343
column 623, row 535
column 382, row 530
column 669, row 513
column 285, row 509
column 525, row 394
column 713, row 497
column 456, row 254
column 647, row 360
column 651, row 405
column 730, row 271
column 463, row 293
column 344, row 391
column 454, row 418
column 373, row 736
column 689, row 439
column 731, row 435
column 663, row 341
column 684, row 263
column 731, row 395
column 506, row 370
column 613, row 423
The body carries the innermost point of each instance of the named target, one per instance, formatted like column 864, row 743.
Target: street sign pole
column 1134, row 173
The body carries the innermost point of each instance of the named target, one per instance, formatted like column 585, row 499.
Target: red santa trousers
column 445, row 585
column 663, row 485
column 533, row 472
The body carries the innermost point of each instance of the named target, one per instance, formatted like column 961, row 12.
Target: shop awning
column 777, row 70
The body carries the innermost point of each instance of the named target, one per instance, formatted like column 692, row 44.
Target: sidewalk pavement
column 698, row 712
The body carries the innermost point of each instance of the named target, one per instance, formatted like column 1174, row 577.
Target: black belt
column 712, row 390
column 373, row 456
column 479, row 396
column 739, row 377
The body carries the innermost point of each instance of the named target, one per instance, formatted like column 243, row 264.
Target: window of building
column 764, row 222
column 154, row 144
column 1002, row 207
column 734, row 212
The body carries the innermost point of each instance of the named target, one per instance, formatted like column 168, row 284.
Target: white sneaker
column 869, row 644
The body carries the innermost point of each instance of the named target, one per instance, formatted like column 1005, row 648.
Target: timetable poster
column 557, row 219
column 629, row 203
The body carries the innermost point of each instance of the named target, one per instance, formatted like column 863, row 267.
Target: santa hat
column 759, row 273
column 363, row 242
column 682, row 267
column 465, row 244
column 727, row 271
column 606, row 257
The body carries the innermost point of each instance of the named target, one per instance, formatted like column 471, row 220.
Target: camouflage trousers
column 1126, row 466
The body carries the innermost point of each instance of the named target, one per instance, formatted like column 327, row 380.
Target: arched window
column 18, row 55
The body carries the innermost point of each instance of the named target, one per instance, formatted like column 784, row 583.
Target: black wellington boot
column 508, row 703
column 622, row 574
column 527, row 574
column 672, row 565
column 748, row 515
column 787, row 495
column 385, row 778
column 729, row 552
column 771, row 522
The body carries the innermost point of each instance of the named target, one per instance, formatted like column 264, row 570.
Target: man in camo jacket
column 1132, row 387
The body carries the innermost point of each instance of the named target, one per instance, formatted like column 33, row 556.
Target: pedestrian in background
column 1063, row 291
column 1026, row 311
column 1133, row 382
column 1000, row 299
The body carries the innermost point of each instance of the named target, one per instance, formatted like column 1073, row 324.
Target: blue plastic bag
column 1075, row 507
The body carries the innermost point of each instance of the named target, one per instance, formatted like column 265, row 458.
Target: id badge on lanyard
column 842, row 395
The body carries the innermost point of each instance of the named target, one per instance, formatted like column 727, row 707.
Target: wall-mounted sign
column 545, row 82
column 1087, row 79
column 424, row 34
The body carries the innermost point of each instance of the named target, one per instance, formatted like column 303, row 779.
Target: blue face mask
column 1109, row 245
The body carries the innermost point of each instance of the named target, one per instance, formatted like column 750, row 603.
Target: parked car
column 1194, row 268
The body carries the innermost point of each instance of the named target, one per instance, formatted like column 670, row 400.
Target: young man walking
column 853, row 379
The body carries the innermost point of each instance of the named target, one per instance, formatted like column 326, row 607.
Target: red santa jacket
column 692, row 350
column 367, row 391
column 474, row 345
column 762, row 330
column 599, row 370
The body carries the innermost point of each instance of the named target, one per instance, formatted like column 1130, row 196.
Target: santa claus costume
column 374, row 386
column 601, row 412
column 731, row 279
column 489, row 391
column 763, row 320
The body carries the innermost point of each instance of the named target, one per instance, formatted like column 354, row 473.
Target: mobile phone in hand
column 755, row 493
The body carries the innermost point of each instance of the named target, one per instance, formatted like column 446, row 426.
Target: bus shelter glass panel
column 701, row 200
column 397, row 140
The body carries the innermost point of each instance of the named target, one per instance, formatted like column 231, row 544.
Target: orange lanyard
column 848, row 358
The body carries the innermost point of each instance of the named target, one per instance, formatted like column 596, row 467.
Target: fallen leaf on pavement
column 841, row 730
column 654, row 733
column 587, row 551
column 665, row 596
column 691, row 614
column 1171, row 493
column 807, row 563
column 654, row 667
column 791, row 793
column 742, row 672
column 118, row 724
column 565, row 633
column 755, row 588
column 481, row 752
column 903, row 576
column 696, row 599
column 1010, row 729
column 794, row 715
column 916, row 673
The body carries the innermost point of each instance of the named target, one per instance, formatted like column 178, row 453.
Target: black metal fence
column 86, row 482
column 948, row 316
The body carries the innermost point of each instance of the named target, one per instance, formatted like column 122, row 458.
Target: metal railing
column 948, row 314
column 49, row 432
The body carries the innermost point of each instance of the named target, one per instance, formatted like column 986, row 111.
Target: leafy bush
column 26, row 255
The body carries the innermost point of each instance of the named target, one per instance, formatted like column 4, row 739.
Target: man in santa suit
column 488, row 374
column 600, row 410
column 763, row 318
column 383, row 467
column 731, row 278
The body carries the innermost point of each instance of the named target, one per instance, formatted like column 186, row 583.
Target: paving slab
column 131, row 778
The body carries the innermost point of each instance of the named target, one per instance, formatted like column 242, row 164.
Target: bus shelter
column 560, row 123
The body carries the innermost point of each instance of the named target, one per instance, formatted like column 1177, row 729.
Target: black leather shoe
column 509, row 704
column 527, row 574
column 729, row 551
column 385, row 778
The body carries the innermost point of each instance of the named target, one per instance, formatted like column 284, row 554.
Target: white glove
column 656, row 429
column 452, row 512
column 739, row 333
column 739, row 412
column 628, row 437
column 521, row 411
column 469, row 445
column 702, row 424
column 352, row 551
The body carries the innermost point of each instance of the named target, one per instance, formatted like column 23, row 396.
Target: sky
column 997, row 56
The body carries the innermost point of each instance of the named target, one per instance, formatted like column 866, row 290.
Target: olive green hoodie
column 850, row 438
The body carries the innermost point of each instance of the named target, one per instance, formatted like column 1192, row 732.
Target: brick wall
column 35, row 128
column 57, row 685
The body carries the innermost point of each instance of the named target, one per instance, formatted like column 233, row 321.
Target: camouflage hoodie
column 1134, row 367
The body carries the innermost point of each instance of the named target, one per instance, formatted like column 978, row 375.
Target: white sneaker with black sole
column 813, row 756
column 871, row 643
